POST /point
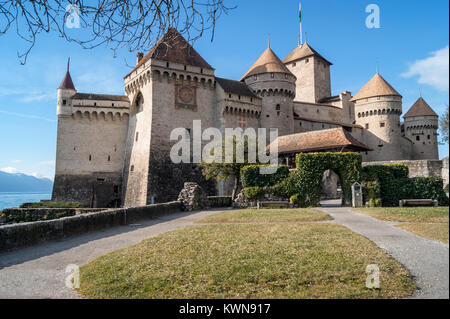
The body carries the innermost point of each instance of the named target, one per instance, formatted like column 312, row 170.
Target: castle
column 114, row 150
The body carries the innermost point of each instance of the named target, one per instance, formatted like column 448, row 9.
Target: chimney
column 139, row 57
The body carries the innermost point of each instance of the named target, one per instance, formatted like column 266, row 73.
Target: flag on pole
column 300, row 36
column 300, row 11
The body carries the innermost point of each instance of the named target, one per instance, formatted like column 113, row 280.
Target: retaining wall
column 30, row 233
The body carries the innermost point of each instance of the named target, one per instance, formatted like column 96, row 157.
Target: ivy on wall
column 306, row 181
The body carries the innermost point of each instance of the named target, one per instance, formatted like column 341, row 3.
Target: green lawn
column 266, row 216
column 254, row 260
column 428, row 222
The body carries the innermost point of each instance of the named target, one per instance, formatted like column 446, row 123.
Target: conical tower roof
column 173, row 47
column 377, row 86
column 67, row 82
column 301, row 52
column 268, row 62
column 420, row 108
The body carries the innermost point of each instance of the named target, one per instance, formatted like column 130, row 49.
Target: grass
column 428, row 222
column 437, row 231
column 266, row 216
column 259, row 260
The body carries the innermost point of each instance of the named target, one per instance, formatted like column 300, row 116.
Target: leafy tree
column 444, row 126
column 221, row 169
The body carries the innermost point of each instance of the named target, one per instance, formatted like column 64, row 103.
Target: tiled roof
column 302, row 52
column 268, row 62
column 336, row 138
column 67, row 82
column 377, row 86
column 173, row 47
column 235, row 87
column 420, row 108
column 104, row 97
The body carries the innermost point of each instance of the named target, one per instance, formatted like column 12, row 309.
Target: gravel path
column 39, row 271
column 427, row 260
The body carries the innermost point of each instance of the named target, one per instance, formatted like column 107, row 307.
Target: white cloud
column 16, row 161
column 432, row 70
column 10, row 170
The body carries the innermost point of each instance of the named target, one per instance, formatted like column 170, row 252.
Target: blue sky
column 410, row 47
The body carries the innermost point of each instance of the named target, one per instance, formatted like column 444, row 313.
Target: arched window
column 138, row 103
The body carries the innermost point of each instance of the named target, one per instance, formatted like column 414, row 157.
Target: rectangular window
column 137, row 136
column 367, row 126
column 64, row 102
column 417, row 138
column 382, row 124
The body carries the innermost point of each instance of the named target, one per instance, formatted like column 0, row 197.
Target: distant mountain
column 17, row 182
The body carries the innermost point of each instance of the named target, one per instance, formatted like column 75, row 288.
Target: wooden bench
column 418, row 202
column 272, row 203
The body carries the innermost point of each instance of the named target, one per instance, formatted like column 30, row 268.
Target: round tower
column 421, row 125
column 269, row 78
column 65, row 92
column 378, row 107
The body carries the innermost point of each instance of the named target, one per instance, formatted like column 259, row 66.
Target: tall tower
column 378, row 107
column 65, row 92
column 421, row 125
column 312, row 72
column 269, row 78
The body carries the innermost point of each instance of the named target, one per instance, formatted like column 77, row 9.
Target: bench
column 272, row 203
column 418, row 202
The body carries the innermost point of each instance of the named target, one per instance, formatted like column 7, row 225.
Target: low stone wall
column 219, row 201
column 16, row 215
column 25, row 234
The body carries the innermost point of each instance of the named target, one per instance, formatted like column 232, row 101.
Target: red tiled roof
column 377, row 86
column 301, row 52
column 336, row 138
column 268, row 62
column 420, row 108
column 67, row 82
column 173, row 47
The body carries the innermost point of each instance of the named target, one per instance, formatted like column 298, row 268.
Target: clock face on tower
column 186, row 94
column 185, row 97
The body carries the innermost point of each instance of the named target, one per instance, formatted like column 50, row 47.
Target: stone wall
column 194, row 197
column 25, row 234
column 15, row 215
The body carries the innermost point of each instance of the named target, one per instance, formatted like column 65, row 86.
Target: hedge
column 310, row 168
column 251, row 177
column 390, row 183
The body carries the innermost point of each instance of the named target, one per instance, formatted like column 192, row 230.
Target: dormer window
column 112, row 104
column 167, row 64
column 229, row 96
column 201, row 71
column 272, row 75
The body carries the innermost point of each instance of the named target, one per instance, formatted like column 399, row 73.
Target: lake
column 8, row 200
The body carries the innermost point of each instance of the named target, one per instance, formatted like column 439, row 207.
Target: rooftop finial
column 420, row 92
column 68, row 64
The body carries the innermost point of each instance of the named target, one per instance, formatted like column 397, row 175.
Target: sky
column 410, row 47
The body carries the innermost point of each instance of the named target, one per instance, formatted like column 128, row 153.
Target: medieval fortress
column 114, row 150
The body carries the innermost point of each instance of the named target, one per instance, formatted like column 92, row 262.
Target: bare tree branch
column 131, row 24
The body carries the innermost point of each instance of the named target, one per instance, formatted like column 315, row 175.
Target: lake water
column 8, row 200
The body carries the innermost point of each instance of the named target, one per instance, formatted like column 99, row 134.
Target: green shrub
column 297, row 199
column 254, row 193
column 250, row 176
column 375, row 202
